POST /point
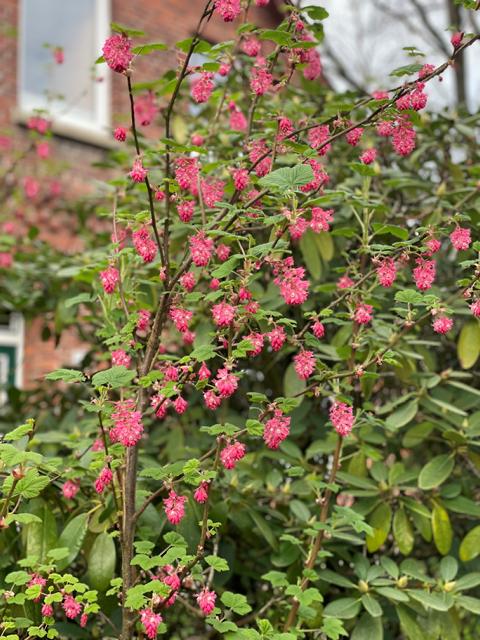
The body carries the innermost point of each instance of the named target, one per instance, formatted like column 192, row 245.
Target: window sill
column 79, row 133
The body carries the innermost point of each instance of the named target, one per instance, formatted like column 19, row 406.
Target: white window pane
column 68, row 90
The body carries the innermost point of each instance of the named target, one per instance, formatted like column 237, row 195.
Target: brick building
column 93, row 100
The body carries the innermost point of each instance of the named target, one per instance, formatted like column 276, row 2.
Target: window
column 11, row 352
column 75, row 92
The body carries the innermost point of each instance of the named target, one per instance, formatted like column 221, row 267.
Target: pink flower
column 59, row 55
column 318, row 329
column 71, row 607
column 144, row 245
column 433, row 245
column 353, row 136
column 159, row 195
column 151, row 621
column 276, row 430
column 47, row 610
column 222, row 252
column 186, row 209
column 6, row 260
column 277, row 337
column 456, row 39
column 138, row 172
column 285, row 128
column 426, row 70
column 174, row 507
column 171, row 373
column 238, row 122
column 83, row 620
column 201, row 249
column 31, row 187
column 70, row 489
column 475, row 308
column 224, row 69
column 262, row 3
column 317, row 138
column 172, row 580
column 228, row 9
column 180, row 405
column 105, row 477
column 368, row 156
column 226, row 383
column 293, row 288
column 143, row 320
column 240, row 178
column 304, row 364
column 223, row 314
column 403, row 139
column 298, row 227
column 160, row 405
column 212, row 192
column 181, row 318
column 386, row 272
column 212, row 401
column 380, row 95
column 257, row 341
column 320, row 177
column 202, row 87
column 260, row 79
column 128, row 427
column 311, row 57
column 43, row 150
column 251, row 46
column 197, row 139
column 117, row 52
column 146, row 109
column 385, row 128
column 442, row 324
column 424, row 273
column 206, row 601
column 188, row 281
column 460, row 238
column 258, row 149
column 321, row 219
column 120, row 134
column 342, row 418
column 363, row 313
column 186, row 174
column 231, row 454
column 345, row 282
column 201, row 492
column 204, row 372
column 109, row 279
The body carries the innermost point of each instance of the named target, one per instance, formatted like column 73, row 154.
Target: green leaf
column 402, row 416
column 368, row 628
column 41, row 536
column 19, row 432
column 469, row 603
column 101, row 562
column 468, row 347
column 406, row 70
column 115, row 377
column 402, row 532
column 145, row 49
column 333, row 628
column 203, row 352
column 442, row 529
column 380, row 521
column 72, row 538
column 292, row 384
column 432, row 600
column 408, row 623
column 264, row 528
column 236, row 602
column 409, row 296
column 31, row 485
column 288, row 178
column 333, row 577
column 344, row 608
column 435, row 472
column 470, row 545
column 311, row 255
column 448, row 568
column 219, row 564
column 469, row 581
column 372, row 605
column 394, row 230
column 67, row 375
column 119, row 28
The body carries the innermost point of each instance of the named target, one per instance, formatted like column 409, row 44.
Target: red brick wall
column 166, row 21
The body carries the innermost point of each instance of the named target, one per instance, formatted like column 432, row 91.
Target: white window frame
column 66, row 124
column 13, row 335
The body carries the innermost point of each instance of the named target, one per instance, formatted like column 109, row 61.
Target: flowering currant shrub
column 277, row 434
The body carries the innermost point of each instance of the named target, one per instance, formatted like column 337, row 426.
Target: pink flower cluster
column 424, row 273
column 304, row 364
column 109, row 279
column 144, row 245
column 231, row 454
column 276, row 429
column 342, row 418
column 117, row 52
column 260, row 78
column 128, row 427
column 290, row 280
column 146, row 109
column 228, row 9
column 206, row 601
column 186, row 173
column 70, row 489
column 202, row 87
column 201, row 248
column 174, row 507
column 386, row 272
column 105, row 477
column 151, row 621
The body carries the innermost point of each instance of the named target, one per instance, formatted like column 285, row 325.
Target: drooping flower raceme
column 342, row 418
column 128, row 427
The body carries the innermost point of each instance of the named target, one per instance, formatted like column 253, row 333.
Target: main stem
column 318, row 540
